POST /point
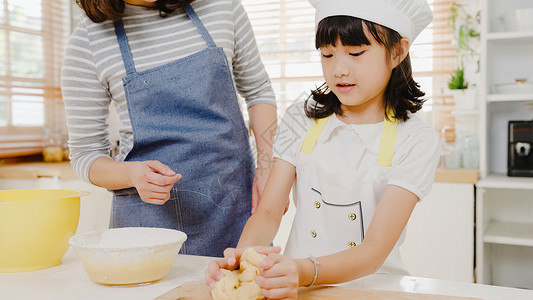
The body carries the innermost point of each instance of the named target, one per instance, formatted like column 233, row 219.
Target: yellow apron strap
column 386, row 149
column 313, row 134
column 388, row 142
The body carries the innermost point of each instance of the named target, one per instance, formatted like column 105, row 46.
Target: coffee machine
column 520, row 153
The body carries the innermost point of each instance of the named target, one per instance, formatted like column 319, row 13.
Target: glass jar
column 66, row 151
column 53, row 148
column 451, row 152
column 469, row 150
column 452, row 156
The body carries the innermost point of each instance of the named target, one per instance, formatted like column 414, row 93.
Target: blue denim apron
column 186, row 115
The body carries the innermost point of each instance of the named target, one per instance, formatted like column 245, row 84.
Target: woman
column 170, row 68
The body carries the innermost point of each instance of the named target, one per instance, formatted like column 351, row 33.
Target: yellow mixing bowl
column 35, row 226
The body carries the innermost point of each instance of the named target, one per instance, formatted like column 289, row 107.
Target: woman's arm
column 86, row 102
column 263, row 121
column 152, row 179
column 253, row 84
column 262, row 226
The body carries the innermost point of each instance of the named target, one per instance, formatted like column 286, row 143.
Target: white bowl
column 131, row 255
column 519, row 19
column 520, row 86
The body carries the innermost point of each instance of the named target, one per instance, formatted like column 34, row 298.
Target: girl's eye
column 357, row 54
column 327, row 55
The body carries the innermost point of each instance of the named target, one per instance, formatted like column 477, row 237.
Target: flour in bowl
column 131, row 237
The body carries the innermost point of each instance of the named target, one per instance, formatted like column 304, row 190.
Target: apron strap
column 124, row 47
column 200, row 26
column 313, row 134
column 386, row 149
column 388, row 142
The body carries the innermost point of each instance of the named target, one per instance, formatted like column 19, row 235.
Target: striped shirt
column 93, row 68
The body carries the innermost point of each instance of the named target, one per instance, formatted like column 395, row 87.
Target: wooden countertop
column 457, row 176
column 34, row 170
column 69, row 281
column 63, row 170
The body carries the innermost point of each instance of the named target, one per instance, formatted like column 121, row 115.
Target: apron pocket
column 131, row 211
column 345, row 223
column 127, row 191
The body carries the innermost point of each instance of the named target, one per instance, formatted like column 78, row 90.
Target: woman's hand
column 278, row 277
column 153, row 180
column 230, row 261
column 260, row 179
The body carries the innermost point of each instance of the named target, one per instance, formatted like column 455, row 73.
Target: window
column 33, row 35
column 284, row 31
column 433, row 60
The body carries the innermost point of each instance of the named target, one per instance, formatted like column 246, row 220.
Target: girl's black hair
column 103, row 10
column 402, row 94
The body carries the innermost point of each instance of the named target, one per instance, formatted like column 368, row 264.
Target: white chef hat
column 407, row 17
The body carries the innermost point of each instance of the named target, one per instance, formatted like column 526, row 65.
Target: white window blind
column 433, row 60
column 284, row 31
column 33, row 35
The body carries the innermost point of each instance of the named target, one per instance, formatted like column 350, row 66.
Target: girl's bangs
column 349, row 30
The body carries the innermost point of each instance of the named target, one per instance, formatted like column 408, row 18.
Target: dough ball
column 250, row 290
column 248, row 274
column 226, row 288
column 240, row 284
column 250, row 256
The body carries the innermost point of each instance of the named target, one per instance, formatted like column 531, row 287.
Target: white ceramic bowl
column 520, row 86
column 131, row 255
column 519, row 19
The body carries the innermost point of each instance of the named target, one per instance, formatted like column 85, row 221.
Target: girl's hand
column 278, row 277
column 153, row 180
column 230, row 261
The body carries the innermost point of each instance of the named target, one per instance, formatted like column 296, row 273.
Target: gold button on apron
column 351, row 244
column 352, row 216
column 317, row 204
column 313, row 233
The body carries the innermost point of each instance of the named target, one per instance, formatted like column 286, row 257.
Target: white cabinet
column 439, row 241
column 504, row 211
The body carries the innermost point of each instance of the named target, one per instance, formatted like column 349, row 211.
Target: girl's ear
column 401, row 52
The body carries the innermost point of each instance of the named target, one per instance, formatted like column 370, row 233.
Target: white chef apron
column 334, row 210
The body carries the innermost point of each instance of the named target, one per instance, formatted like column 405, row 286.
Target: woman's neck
column 141, row 3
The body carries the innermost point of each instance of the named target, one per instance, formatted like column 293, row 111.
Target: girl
column 357, row 155
column 170, row 68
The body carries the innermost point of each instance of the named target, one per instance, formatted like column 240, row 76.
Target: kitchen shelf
column 509, row 97
column 508, row 233
column 470, row 112
column 505, row 182
column 504, row 205
column 511, row 36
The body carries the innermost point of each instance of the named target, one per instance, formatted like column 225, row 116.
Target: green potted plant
column 457, row 81
column 465, row 31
